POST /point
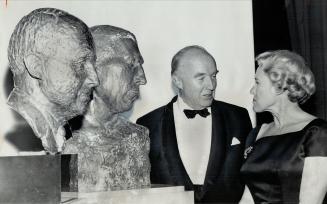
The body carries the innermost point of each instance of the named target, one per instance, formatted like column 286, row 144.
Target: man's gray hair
column 182, row 52
column 24, row 40
column 107, row 40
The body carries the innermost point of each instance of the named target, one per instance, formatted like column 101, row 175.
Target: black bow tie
column 192, row 113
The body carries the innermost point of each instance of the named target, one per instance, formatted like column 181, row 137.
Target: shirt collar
column 182, row 105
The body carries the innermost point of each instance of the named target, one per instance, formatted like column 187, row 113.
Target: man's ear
column 177, row 81
column 33, row 66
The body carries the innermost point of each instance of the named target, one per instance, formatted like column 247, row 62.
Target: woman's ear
column 177, row 81
column 278, row 90
column 33, row 65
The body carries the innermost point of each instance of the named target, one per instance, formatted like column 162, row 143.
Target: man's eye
column 79, row 67
column 133, row 67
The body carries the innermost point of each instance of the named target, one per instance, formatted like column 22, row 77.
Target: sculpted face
column 121, row 77
column 263, row 92
column 68, row 75
column 196, row 79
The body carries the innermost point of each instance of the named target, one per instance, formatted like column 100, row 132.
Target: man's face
column 196, row 76
column 121, row 77
column 68, row 75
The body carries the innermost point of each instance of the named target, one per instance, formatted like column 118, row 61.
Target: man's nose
column 140, row 76
column 92, row 77
column 211, row 84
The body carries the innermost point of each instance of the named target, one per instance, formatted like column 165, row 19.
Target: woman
column 285, row 160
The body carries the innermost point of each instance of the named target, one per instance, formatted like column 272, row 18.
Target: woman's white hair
column 288, row 71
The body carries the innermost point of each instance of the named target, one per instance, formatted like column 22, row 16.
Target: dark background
column 270, row 26
column 270, row 29
column 300, row 26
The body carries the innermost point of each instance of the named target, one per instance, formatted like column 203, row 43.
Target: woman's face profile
column 262, row 91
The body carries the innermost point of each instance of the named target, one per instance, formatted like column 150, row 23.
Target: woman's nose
column 252, row 90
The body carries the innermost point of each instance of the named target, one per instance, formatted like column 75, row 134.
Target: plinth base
column 158, row 195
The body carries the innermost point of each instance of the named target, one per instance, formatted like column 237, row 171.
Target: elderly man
column 197, row 141
column 51, row 55
column 113, row 152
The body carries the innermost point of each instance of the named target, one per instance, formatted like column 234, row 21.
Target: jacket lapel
column 170, row 149
column 171, row 153
column 218, row 147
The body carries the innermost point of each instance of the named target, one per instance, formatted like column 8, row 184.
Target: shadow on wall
column 21, row 136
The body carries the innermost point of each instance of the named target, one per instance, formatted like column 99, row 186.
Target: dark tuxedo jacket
column 222, row 182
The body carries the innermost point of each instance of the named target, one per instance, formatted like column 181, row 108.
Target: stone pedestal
column 30, row 179
column 158, row 195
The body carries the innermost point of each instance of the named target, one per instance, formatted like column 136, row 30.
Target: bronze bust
column 51, row 55
column 113, row 152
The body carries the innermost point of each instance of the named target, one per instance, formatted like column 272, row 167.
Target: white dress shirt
column 194, row 141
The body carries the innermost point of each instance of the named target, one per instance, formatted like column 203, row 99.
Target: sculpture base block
column 30, row 179
column 159, row 195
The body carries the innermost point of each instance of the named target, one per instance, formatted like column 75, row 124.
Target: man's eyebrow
column 137, row 59
column 85, row 54
column 141, row 60
column 199, row 74
column 203, row 74
column 215, row 73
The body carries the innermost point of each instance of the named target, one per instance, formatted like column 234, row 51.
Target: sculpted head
column 281, row 72
column 119, row 67
column 194, row 74
column 51, row 55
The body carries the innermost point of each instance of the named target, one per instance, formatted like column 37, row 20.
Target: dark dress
column 273, row 165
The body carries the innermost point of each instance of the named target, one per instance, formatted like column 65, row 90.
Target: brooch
column 247, row 151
